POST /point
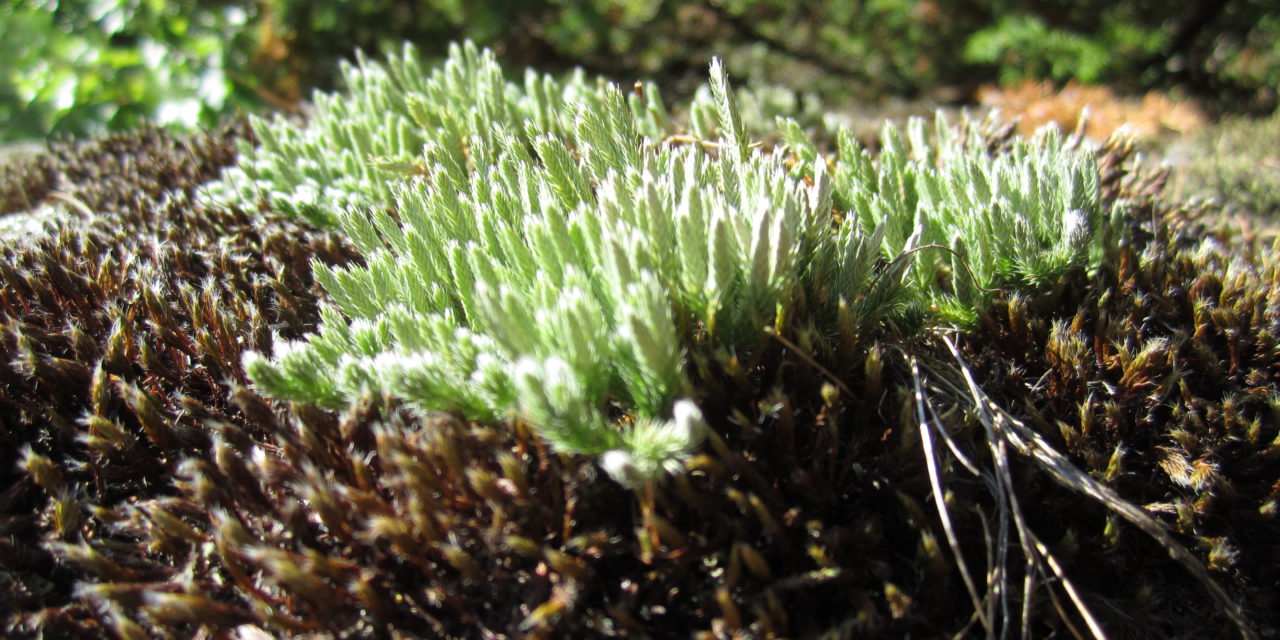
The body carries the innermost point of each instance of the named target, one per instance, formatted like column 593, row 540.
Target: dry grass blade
column 1039, row 562
column 1030, row 444
column 935, row 483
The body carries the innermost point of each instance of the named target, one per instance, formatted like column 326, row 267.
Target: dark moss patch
column 121, row 341
column 1159, row 377
column 151, row 492
column 119, row 173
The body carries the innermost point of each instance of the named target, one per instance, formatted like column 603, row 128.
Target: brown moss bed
column 147, row 492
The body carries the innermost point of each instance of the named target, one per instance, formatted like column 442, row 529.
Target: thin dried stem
column 1013, row 432
column 939, row 498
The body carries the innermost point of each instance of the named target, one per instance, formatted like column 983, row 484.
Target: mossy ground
column 151, row 493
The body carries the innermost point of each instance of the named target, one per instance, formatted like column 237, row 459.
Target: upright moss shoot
column 550, row 252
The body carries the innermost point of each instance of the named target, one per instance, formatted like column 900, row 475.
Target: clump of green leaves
column 80, row 66
column 1024, row 46
column 549, row 252
column 970, row 222
column 395, row 120
column 525, row 273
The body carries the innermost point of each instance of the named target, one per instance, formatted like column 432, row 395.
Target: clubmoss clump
column 397, row 119
column 552, row 254
column 966, row 220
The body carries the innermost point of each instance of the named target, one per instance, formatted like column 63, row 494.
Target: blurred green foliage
column 1025, row 47
column 81, row 65
column 1236, row 162
column 1230, row 47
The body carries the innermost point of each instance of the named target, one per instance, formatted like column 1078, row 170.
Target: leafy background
column 84, row 66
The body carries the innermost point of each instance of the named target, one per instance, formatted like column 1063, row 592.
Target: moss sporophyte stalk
column 559, row 252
